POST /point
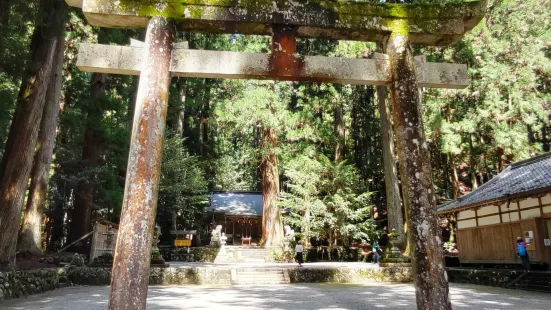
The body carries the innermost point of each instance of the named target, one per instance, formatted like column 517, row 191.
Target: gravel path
column 296, row 297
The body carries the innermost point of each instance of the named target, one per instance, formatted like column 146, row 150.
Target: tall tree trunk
column 545, row 138
column 338, row 128
column 306, row 226
column 392, row 187
column 16, row 163
column 204, row 120
column 30, row 236
column 4, row 12
column 54, row 229
column 454, row 176
column 182, row 92
column 81, row 217
column 472, row 163
column 500, row 154
column 272, row 227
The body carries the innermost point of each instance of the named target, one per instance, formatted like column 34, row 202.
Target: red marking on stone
column 284, row 62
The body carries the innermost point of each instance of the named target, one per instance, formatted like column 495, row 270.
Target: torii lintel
column 235, row 65
column 341, row 20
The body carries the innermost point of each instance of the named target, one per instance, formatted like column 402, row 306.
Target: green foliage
column 507, row 103
column 183, row 188
column 323, row 201
column 504, row 111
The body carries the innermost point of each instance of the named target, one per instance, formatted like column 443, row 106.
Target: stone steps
column 231, row 254
column 534, row 281
column 260, row 276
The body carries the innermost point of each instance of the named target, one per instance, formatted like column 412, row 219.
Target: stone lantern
column 393, row 240
column 393, row 256
column 157, row 259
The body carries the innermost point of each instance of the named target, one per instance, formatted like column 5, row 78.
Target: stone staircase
column 235, row 254
column 253, row 255
column 260, row 276
column 533, row 281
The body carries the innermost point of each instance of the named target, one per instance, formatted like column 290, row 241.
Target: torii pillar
column 398, row 25
column 130, row 275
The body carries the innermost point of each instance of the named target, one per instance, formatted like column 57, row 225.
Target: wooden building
column 515, row 203
column 240, row 215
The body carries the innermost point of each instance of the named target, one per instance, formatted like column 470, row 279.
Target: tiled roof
column 525, row 176
column 237, row 203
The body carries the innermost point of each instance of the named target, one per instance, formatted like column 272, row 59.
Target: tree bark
column 30, row 236
column 392, row 187
column 416, row 174
column 16, row 163
column 204, row 119
column 338, row 128
column 182, row 91
column 472, row 164
column 393, row 199
column 81, row 217
column 4, row 12
column 272, row 227
column 454, row 176
column 130, row 278
column 545, row 138
column 500, row 154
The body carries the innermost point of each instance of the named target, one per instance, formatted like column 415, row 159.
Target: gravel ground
column 303, row 296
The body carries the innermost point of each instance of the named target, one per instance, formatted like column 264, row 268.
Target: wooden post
column 132, row 255
column 423, row 231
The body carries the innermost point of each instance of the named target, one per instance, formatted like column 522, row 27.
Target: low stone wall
column 16, row 284
column 351, row 275
column 489, row 277
column 196, row 254
column 158, row 276
column 178, row 276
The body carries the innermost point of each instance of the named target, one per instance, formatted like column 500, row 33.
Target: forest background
column 323, row 141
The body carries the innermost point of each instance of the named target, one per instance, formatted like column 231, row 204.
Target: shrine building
column 515, row 203
column 240, row 215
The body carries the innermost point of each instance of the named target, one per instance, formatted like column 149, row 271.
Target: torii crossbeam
column 396, row 25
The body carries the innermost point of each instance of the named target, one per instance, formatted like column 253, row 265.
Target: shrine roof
column 435, row 24
column 237, row 203
column 520, row 179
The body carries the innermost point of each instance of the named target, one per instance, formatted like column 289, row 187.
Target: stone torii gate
column 396, row 25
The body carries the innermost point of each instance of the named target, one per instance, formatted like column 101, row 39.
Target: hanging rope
column 510, row 226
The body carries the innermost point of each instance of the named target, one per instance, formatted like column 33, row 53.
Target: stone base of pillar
column 105, row 260
column 395, row 260
column 157, row 260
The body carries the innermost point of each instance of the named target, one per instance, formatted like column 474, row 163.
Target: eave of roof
column 525, row 173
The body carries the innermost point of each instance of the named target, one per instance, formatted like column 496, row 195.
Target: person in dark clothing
column 523, row 254
column 376, row 255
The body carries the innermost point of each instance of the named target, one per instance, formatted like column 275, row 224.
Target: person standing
column 523, row 254
column 376, row 255
column 298, row 251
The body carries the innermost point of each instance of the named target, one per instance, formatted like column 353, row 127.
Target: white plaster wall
column 505, row 217
column 487, row 210
column 466, row 224
column 547, row 209
column 546, row 199
column 512, row 206
column 489, row 220
column 466, row 214
column 526, row 214
column 528, row 203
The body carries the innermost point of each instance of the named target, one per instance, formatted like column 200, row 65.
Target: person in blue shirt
column 522, row 252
